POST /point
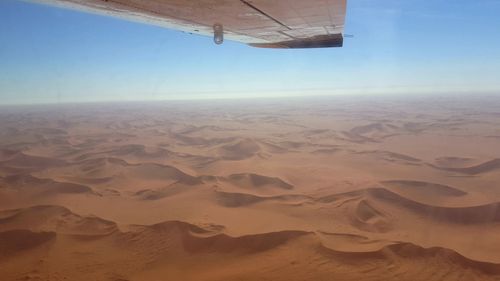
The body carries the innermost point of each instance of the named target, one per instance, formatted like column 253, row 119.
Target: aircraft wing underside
column 259, row 23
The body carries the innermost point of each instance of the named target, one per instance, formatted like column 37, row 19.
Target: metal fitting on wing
column 218, row 33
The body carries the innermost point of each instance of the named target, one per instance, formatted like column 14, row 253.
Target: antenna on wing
column 218, row 33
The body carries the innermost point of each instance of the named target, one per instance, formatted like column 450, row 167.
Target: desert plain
column 338, row 188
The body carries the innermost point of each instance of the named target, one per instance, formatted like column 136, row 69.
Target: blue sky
column 400, row 47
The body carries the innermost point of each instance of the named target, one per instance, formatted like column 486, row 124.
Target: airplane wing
column 259, row 23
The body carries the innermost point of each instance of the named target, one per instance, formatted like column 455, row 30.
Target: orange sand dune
column 488, row 166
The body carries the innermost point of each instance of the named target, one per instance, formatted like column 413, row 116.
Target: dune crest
column 240, row 150
column 475, row 214
column 42, row 187
column 54, row 219
column 424, row 188
column 234, row 199
column 485, row 167
column 255, row 181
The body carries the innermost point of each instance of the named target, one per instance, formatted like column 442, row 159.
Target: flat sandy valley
column 299, row 189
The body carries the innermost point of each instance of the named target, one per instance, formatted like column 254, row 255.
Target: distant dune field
column 301, row 189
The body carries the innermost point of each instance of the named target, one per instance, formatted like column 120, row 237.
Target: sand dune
column 357, row 138
column 335, row 189
column 22, row 163
column 488, row 166
column 42, row 187
column 136, row 154
column 368, row 218
column 6, row 154
column 102, row 168
column 168, row 191
column 232, row 199
column 250, row 181
column 470, row 214
column 453, row 162
column 326, row 151
column 14, row 241
column 423, row 188
column 433, row 257
column 391, row 156
column 132, row 150
column 373, row 132
column 54, row 219
column 200, row 141
column 198, row 240
column 485, row 213
column 239, row 150
column 372, row 128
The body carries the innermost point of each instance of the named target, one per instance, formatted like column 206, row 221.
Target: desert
column 325, row 188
